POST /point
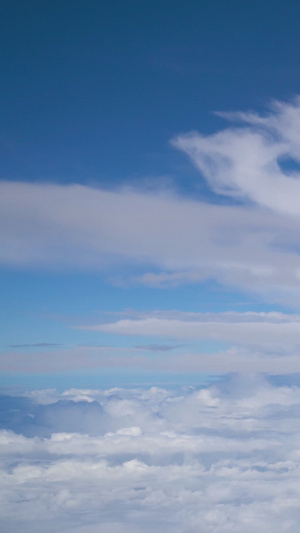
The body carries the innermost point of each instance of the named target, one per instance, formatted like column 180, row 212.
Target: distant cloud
column 269, row 347
column 223, row 458
column 35, row 345
column 275, row 331
column 157, row 347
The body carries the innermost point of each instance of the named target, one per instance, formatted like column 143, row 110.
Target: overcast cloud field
column 215, row 459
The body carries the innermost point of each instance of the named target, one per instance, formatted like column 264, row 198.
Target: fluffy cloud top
column 192, row 460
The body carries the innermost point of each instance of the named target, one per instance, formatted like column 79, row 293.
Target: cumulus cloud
column 219, row 459
column 252, row 243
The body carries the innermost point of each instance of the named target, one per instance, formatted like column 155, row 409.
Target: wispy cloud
column 245, row 162
column 35, row 345
column 242, row 356
column 252, row 244
column 275, row 331
column 157, row 347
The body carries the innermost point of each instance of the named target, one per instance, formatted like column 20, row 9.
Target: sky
column 150, row 266
column 149, row 171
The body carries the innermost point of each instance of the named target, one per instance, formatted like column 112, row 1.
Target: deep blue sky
column 92, row 93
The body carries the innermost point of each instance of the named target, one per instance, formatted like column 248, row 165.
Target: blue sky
column 124, row 231
column 149, row 266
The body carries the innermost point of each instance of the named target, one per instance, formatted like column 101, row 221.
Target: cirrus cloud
column 245, row 162
column 252, row 244
column 273, row 330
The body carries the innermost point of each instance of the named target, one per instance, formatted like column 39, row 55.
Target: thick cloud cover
column 217, row 459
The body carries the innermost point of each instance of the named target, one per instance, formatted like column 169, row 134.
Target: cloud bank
column 220, row 459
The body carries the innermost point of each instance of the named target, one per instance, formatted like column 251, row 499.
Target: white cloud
column 223, row 361
column 208, row 459
column 245, row 161
column 54, row 226
column 172, row 239
column 260, row 342
column 276, row 331
column 250, row 342
column 67, row 358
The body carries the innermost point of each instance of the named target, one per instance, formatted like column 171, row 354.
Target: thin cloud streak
column 275, row 331
column 243, row 360
column 35, row 345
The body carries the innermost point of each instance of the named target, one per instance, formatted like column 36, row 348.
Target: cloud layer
column 253, row 243
column 222, row 459
column 209, row 342
column 272, row 330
